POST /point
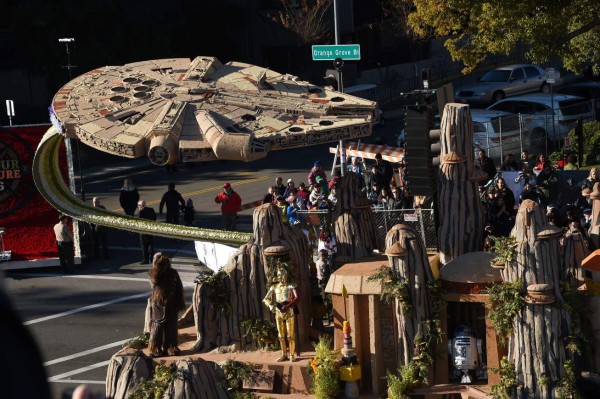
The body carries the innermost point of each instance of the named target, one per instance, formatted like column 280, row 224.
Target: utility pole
column 69, row 149
column 68, row 141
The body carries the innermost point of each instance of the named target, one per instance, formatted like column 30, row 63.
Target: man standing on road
column 146, row 240
column 230, row 205
column 64, row 244
column 174, row 202
column 100, row 234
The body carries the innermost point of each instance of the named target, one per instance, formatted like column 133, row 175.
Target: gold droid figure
column 280, row 299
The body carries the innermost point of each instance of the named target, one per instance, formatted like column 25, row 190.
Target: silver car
column 498, row 133
column 503, row 82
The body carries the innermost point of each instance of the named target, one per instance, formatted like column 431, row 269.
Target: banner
column 27, row 219
column 214, row 255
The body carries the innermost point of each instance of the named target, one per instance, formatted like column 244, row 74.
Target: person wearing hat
column 64, row 244
column 323, row 184
column 230, row 206
column 315, row 172
column 290, row 189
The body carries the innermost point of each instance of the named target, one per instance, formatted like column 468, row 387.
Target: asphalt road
column 79, row 321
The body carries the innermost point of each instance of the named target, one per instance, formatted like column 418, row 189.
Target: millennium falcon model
column 202, row 110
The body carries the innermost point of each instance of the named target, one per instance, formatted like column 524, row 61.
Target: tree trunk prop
column 460, row 212
column 194, row 379
column 575, row 251
column 594, row 230
column 197, row 379
column 246, row 285
column 537, row 344
column 354, row 221
column 125, row 370
column 408, row 261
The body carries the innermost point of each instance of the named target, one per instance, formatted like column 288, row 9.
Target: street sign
column 551, row 75
column 10, row 108
column 331, row 52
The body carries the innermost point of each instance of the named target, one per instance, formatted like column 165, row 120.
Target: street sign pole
column 10, row 110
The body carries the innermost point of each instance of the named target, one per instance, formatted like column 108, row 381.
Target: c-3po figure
column 280, row 299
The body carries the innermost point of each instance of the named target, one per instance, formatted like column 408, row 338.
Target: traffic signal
column 422, row 150
column 333, row 78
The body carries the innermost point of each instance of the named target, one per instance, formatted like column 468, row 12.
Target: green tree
column 565, row 29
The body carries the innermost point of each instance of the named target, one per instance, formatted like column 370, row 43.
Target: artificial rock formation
column 125, row 370
column 246, row 285
column 460, row 211
column 408, row 261
column 536, row 346
column 354, row 221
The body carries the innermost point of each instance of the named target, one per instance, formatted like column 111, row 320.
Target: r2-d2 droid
column 466, row 351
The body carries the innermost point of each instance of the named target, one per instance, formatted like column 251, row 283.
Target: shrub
column 591, row 143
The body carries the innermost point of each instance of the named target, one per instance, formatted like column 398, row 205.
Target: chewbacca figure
column 166, row 301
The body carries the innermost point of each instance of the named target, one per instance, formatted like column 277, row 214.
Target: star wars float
column 202, row 110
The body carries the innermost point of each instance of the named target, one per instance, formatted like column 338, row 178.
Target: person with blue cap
column 315, row 172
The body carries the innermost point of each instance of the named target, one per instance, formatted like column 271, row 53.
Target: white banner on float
column 214, row 255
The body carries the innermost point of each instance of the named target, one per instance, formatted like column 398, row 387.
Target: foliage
column 218, row 293
column 506, row 302
column 305, row 19
column 400, row 384
column 578, row 304
column 508, row 380
column 568, row 384
column 138, row 342
column 275, row 263
column 156, row 387
column 236, row 373
column 430, row 334
column 326, row 367
column 548, row 29
column 503, row 249
column 392, row 286
column 263, row 333
column 591, row 143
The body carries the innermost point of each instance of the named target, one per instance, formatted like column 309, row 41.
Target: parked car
column 498, row 133
column 589, row 90
column 503, row 82
column 553, row 116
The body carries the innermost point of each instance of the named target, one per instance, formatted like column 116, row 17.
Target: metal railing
column 421, row 220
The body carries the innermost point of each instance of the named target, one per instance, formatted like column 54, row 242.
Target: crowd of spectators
column 567, row 206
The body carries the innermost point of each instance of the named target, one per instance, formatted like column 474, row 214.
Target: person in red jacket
column 230, row 205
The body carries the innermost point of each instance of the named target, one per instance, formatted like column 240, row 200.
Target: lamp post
column 68, row 141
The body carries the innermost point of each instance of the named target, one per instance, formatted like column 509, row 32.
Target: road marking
column 86, row 308
column 97, row 277
column 78, row 371
column 206, row 190
column 88, row 382
column 85, row 353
